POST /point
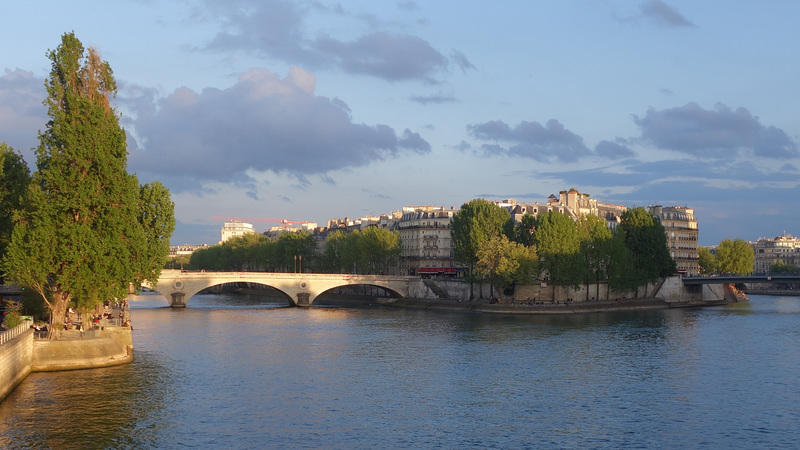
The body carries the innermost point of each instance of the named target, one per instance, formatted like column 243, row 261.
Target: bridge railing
column 14, row 332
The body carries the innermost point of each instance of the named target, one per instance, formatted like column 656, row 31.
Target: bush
column 12, row 320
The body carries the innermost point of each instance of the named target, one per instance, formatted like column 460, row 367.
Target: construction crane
column 283, row 222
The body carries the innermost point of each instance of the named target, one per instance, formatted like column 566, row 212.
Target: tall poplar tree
column 82, row 237
column 14, row 180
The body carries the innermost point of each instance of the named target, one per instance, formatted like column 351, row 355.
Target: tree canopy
column 477, row 221
column 504, row 262
column 646, row 241
column 88, row 230
column 735, row 256
column 707, row 262
column 14, row 179
column 558, row 243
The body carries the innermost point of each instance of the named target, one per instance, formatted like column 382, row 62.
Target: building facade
column 680, row 225
column 572, row 203
column 235, row 228
column 185, row 249
column 426, row 245
column 784, row 249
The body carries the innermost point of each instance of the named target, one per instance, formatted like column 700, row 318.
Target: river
column 235, row 371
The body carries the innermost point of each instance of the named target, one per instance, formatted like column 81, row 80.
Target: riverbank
column 25, row 354
column 485, row 306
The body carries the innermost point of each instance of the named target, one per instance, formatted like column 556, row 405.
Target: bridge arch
column 301, row 288
column 374, row 290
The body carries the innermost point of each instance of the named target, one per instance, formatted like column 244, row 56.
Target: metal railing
column 16, row 331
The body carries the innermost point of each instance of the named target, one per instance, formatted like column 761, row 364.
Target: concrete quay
column 23, row 354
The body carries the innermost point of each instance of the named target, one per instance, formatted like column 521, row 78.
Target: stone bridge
column 300, row 288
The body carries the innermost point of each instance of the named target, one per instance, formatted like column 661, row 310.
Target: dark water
column 234, row 372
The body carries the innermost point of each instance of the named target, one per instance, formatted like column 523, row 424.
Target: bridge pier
column 303, row 299
column 177, row 300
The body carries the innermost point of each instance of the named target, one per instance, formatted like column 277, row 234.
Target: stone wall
column 670, row 290
column 24, row 354
column 15, row 362
column 50, row 355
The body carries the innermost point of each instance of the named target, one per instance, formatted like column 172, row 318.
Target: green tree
column 707, row 261
column 505, row 262
column 524, row 231
column 14, row 180
column 333, row 252
column 595, row 249
column 782, row 267
column 647, row 243
column 558, row 244
column 210, row 258
column 157, row 218
column 476, row 222
column 296, row 251
column 81, row 236
column 379, row 249
column 621, row 274
column 735, row 256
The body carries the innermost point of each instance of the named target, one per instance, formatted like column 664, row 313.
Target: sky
column 313, row 110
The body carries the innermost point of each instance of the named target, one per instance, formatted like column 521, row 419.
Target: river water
column 233, row 371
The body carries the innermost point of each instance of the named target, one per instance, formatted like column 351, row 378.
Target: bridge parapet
column 300, row 288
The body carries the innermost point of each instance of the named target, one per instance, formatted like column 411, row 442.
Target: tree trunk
column 58, row 311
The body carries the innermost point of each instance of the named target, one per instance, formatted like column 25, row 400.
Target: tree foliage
column 81, row 236
column 477, row 222
column 14, row 180
column 646, row 241
column 290, row 252
column 523, row 232
column 735, row 256
column 504, row 262
column 372, row 250
column 558, row 244
column 707, row 262
column 782, row 267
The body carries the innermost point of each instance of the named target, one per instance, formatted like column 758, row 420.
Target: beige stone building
column 784, row 248
column 426, row 245
column 571, row 203
column 680, row 225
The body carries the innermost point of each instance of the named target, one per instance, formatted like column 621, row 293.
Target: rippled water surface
column 236, row 372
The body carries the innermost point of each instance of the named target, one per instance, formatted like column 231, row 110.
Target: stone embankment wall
column 72, row 354
column 24, row 354
column 670, row 290
column 16, row 357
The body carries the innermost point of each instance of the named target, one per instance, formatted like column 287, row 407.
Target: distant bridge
column 301, row 289
column 736, row 279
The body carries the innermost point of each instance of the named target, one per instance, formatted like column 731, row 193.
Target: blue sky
column 311, row 110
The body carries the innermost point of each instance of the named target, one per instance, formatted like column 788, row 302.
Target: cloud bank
column 277, row 29
column 262, row 123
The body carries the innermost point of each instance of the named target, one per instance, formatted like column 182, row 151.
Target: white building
column 235, row 228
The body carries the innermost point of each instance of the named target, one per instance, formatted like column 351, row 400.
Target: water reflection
column 234, row 371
